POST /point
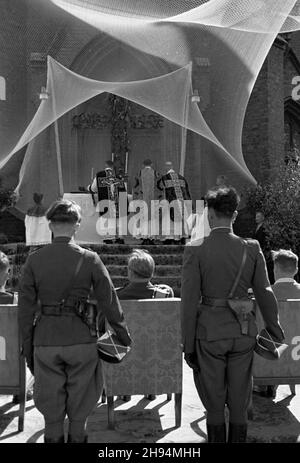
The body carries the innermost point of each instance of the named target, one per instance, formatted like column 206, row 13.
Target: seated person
column 285, row 287
column 285, row 268
column 8, row 297
column 141, row 268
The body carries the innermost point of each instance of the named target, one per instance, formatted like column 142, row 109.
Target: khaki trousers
column 68, row 382
column 225, row 377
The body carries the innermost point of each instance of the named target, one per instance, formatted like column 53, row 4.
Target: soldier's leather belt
column 58, row 310
column 214, row 302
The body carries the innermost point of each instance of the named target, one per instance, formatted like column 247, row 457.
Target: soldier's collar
column 225, row 229
column 62, row 239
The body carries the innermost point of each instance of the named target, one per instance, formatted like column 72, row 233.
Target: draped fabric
column 215, row 46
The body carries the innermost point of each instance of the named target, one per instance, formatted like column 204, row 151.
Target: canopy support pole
column 57, row 142
column 58, row 156
column 185, row 120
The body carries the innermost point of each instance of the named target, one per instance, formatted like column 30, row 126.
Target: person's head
column 168, row 165
column 140, row 265
column 37, row 198
column 4, row 269
column 259, row 217
column 222, row 204
column 64, row 218
column 221, row 180
column 147, row 163
column 285, row 264
column 109, row 164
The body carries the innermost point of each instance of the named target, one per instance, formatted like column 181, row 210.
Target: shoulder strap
column 236, row 282
column 69, row 287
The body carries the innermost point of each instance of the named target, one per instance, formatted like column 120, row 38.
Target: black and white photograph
column 149, row 226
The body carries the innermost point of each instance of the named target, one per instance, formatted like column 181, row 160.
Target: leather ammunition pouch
column 242, row 309
column 87, row 310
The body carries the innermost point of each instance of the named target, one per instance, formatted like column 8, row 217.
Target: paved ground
column 142, row 421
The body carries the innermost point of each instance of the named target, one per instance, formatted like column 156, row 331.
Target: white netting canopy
column 153, row 54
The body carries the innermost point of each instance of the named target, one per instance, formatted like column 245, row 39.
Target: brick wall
column 263, row 133
column 13, row 69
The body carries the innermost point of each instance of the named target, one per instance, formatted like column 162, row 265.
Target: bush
column 7, row 197
column 279, row 200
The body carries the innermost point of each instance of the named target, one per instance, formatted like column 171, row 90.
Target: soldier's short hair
column 4, row 262
column 147, row 162
column 109, row 163
column 224, row 201
column 285, row 259
column 141, row 263
column 64, row 211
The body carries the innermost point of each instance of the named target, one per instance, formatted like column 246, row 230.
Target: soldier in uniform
column 64, row 357
column 217, row 342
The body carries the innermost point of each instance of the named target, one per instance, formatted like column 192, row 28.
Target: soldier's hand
column 191, row 360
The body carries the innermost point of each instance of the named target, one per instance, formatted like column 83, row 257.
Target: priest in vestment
column 175, row 190
column 105, row 185
column 145, row 189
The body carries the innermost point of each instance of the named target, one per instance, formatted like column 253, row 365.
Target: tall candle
column 126, row 162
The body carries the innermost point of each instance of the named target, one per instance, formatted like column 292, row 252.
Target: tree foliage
column 7, row 197
column 279, row 200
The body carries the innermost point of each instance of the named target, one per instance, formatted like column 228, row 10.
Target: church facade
column 107, row 126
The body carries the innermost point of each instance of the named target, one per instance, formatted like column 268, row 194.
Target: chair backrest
column 288, row 366
column 9, row 346
column 154, row 364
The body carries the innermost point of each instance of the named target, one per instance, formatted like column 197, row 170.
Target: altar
column 87, row 233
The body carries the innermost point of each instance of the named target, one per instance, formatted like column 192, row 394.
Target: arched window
column 2, row 88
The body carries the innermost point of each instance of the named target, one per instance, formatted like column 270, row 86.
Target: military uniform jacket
column 210, row 270
column 46, row 275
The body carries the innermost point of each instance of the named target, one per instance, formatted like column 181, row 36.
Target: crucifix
column 120, row 123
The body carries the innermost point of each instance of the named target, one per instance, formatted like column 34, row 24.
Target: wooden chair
column 12, row 364
column 154, row 364
column 286, row 369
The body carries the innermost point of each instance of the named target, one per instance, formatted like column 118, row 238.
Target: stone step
column 120, row 249
column 126, row 249
column 159, row 259
column 160, row 270
column 168, row 260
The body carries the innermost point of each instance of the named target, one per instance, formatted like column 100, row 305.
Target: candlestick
column 126, row 162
